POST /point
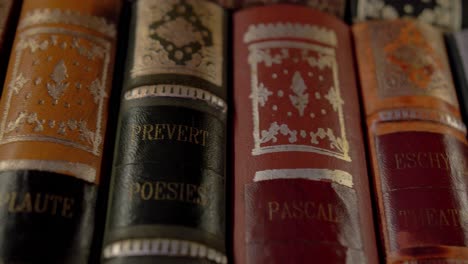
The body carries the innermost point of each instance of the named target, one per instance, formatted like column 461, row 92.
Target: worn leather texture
column 53, row 122
column 45, row 218
column 446, row 15
column 300, row 180
column 168, row 189
column 417, row 142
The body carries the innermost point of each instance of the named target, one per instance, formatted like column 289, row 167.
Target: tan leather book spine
column 416, row 141
column 52, row 126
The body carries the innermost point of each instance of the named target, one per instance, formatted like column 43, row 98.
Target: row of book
column 196, row 131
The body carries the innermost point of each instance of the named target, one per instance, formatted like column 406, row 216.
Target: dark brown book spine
column 416, row 142
column 301, row 193
column 52, row 126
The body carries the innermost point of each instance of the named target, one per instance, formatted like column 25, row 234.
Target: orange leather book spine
column 417, row 142
column 52, row 126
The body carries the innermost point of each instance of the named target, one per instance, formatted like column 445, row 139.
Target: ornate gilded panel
column 296, row 98
column 179, row 37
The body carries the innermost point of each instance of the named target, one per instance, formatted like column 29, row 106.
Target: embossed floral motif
column 300, row 99
column 334, row 98
column 335, row 142
column 259, row 56
column 19, row 83
column 274, row 130
column 58, row 86
column 23, row 118
column 33, row 44
column 97, row 90
column 262, row 94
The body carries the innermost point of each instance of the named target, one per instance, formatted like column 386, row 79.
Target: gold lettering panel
column 179, row 37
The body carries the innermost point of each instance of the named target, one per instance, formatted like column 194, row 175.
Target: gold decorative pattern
column 163, row 247
column 421, row 114
column 179, row 37
column 336, row 176
column 81, row 171
column 179, row 91
column 59, row 16
column 308, row 116
column 51, row 115
column 446, row 14
column 410, row 60
column 290, row 30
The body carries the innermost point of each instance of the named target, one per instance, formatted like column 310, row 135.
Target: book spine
column 334, row 7
column 301, row 193
column 458, row 55
column 447, row 15
column 53, row 118
column 416, row 141
column 9, row 13
column 168, row 196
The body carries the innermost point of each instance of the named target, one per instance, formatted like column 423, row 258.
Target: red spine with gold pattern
column 417, row 142
column 301, row 185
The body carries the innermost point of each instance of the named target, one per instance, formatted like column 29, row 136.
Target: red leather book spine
column 301, row 189
column 417, row 142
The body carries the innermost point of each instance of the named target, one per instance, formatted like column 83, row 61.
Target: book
column 334, row 7
column 451, row 15
column 168, row 189
column 9, row 10
column 458, row 54
column 53, row 118
column 417, row 141
column 301, row 192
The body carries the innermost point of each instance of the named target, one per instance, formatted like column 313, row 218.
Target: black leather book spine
column 167, row 198
column 458, row 54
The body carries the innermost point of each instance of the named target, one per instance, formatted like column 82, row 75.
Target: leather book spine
column 333, row 7
column 9, row 13
column 449, row 15
column 168, row 196
column 458, row 53
column 301, row 191
column 52, row 125
column 417, row 142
